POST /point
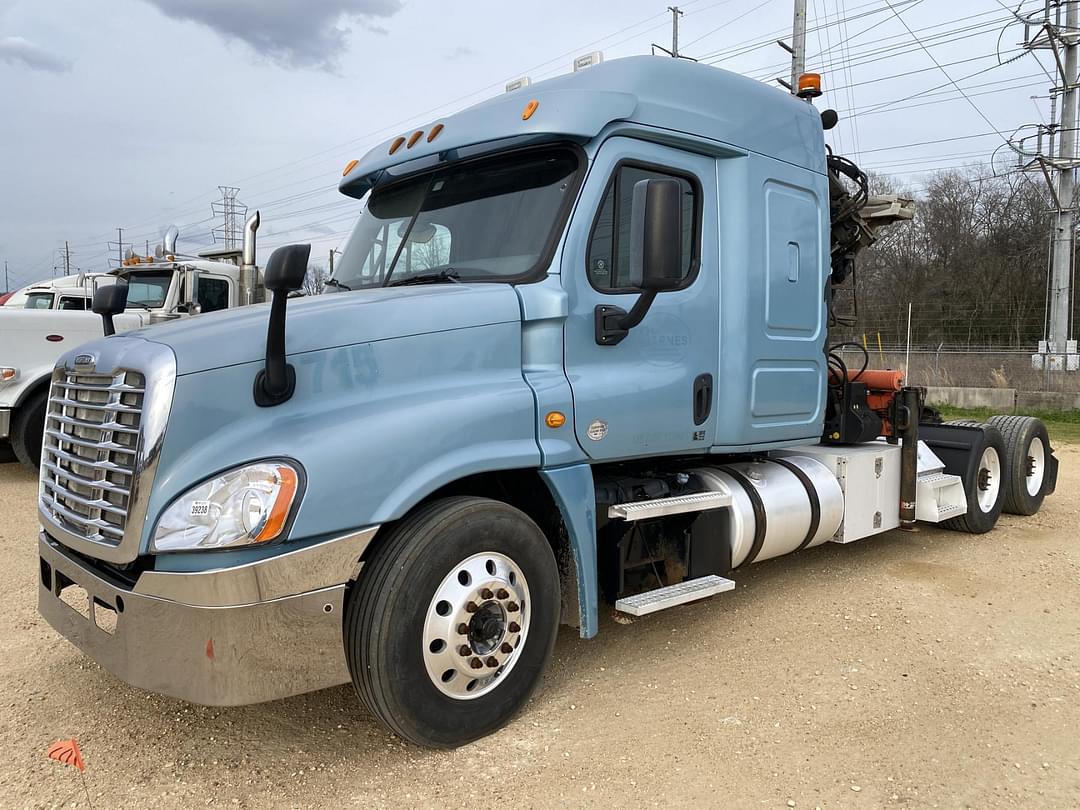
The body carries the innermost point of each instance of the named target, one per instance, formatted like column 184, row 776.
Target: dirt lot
column 911, row 670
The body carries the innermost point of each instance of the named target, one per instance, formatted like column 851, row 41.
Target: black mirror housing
column 285, row 271
column 656, row 234
column 656, row 255
column 108, row 301
column 286, row 268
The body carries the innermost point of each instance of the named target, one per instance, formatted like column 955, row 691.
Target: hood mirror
column 108, row 301
column 285, row 271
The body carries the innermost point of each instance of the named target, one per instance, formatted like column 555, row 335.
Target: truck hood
column 228, row 338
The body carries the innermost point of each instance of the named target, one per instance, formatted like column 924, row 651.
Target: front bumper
column 226, row 637
column 5, row 422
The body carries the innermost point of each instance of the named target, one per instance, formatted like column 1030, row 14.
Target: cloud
column 22, row 52
column 293, row 33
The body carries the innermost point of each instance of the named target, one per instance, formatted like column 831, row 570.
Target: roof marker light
column 435, row 130
column 809, row 85
column 398, row 141
column 530, row 108
column 414, row 138
column 349, row 167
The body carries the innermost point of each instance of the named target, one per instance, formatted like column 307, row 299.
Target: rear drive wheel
column 453, row 620
column 27, row 428
column 986, row 494
column 1027, row 448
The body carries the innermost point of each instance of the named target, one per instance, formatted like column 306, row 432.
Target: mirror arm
column 614, row 323
column 275, row 383
column 638, row 310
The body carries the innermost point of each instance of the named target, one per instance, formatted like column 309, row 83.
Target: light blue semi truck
column 576, row 355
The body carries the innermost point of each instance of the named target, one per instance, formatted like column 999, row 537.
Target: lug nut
column 492, row 661
column 463, row 629
column 485, row 593
column 513, row 607
column 472, row 607
column 502, row 593
column 476, row 663
column 506, row 649
column 464, row 650
column 514, row 627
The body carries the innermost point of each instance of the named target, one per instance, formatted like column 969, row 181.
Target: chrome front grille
column 89, row 452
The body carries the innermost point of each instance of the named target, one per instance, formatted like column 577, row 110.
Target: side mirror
column 108, row 301
column 656, row 255
column 285, row 271
column 191, row 291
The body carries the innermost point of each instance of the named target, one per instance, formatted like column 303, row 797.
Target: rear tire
column 1027, row 448
column 27, row 430
column 457, row 563
column 987, row 497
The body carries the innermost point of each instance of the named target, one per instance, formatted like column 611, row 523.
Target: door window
column 68, row 302
column 608, row 257
column 213, row 293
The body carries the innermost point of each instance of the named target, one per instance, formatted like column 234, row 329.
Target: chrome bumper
column 225, row 637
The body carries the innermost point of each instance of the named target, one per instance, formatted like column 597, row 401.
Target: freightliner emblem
column 84, row 362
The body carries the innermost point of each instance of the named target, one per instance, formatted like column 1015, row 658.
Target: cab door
column 654, row 391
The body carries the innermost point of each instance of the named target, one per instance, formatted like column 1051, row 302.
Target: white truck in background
column 54, row 318
column 73, row 292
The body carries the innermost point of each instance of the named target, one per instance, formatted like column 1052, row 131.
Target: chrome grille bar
column 89, row 452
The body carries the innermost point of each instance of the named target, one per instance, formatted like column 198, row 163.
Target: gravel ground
column 913, row 670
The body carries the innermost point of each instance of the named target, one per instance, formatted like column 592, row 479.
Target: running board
column 939, row 496
column 642, row 604
column 642, row 510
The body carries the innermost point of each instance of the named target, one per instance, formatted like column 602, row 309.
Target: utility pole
column 67, row 259
column 7, row 284
column 675, row 14
column 233, row 213
column 797, row 49
column 120, row 246
column 1058, row 352
column 798, row 44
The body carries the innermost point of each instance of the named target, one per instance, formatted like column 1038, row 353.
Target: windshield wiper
column 333, row 282
column 437, row 277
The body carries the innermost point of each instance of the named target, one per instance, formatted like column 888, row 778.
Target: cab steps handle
column 661, row 507
column 642, row 604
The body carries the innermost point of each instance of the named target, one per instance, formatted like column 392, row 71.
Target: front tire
column 452, row 621
column 27, row 430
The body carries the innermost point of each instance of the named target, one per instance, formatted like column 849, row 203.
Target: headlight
column 242, row 507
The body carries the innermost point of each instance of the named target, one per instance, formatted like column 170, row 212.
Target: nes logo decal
column 597, row 430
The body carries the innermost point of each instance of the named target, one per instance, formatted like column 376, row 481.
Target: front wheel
column 28, row 429
column 452, row 621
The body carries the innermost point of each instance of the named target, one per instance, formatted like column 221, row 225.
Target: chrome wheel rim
column 989, row 479
column 476, row 625
column 1035, row 467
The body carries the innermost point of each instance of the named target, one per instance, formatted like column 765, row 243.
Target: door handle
column 702, row 398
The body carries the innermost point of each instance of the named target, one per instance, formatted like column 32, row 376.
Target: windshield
column 487, row 220
column 39, row 301
column 148, row 289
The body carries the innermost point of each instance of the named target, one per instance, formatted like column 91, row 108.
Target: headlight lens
column 245, row 506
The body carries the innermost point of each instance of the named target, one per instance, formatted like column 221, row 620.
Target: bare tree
column 315, row 280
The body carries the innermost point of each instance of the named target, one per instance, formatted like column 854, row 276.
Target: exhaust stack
column 248, row 271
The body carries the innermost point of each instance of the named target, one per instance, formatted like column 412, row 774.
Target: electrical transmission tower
column 233, row 213
column 1046, row 31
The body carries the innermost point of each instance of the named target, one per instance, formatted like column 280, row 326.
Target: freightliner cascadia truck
column 160, row 288
column 575, row 355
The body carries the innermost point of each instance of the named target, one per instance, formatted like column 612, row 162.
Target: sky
column 131, row 113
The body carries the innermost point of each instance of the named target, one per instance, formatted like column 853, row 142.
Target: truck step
column 939, row 496
column 641, row 604
column 697, row 502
